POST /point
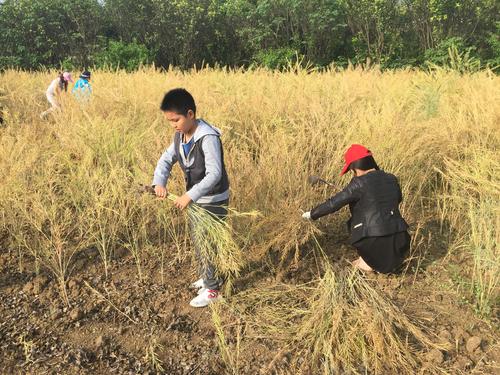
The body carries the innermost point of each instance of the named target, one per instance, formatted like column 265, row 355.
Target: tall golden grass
column 69, row 184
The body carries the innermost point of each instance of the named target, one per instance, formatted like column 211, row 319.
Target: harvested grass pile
column 338, row 324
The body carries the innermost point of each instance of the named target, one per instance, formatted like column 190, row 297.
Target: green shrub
column 276, row 58
column 452, row 53
column 128, row 56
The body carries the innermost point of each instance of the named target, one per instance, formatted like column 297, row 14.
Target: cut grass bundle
column 351, row 327
column 229, row 356
column 215, row 240
column 338, row 324
column 288, row 232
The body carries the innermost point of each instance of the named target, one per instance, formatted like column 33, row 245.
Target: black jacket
column 374, row 203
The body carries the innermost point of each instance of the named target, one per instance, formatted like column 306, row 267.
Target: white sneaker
column 198, row 284
column 206, row 297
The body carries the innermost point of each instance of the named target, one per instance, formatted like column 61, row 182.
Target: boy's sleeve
column 212, row 149
column 164, row 167
column 350, row 194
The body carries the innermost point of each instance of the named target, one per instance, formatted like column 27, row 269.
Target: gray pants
column 206, row 268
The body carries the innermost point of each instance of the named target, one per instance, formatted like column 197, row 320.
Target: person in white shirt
column 56, row 87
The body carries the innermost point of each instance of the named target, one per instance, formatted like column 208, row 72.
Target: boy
column 198, row 150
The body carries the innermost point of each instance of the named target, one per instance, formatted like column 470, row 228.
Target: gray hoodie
column 213, row 164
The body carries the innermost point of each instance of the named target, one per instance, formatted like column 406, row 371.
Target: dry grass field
column 94, row 274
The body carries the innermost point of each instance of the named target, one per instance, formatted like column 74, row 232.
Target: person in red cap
column 378, row 231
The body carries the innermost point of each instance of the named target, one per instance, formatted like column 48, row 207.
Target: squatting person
column 198, row 150
column 378, row 231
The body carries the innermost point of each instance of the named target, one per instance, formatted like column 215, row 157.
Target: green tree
column 46, row 32
column 129, row 56
column 184, row 33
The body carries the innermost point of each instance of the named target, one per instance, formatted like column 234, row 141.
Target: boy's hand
column 306, row 215
column 182, row 202
column 160, row 191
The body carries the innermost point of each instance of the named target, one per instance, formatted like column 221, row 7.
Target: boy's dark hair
column 179, row 101
column 366, row 163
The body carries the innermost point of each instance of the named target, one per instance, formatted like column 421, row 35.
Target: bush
column 494, row 46
column 440, row 55
column 128, row 56
column 9, row 62
column 276, row 58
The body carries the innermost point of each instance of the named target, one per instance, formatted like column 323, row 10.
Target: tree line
column 272, row 33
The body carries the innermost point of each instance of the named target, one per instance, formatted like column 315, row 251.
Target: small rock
column 28, row 287
column 39, row 284
column 460, row 335
column 446, row 335
column 72, row 284
column 74, row 292
column 473, row 343
column 463, row 363
column 157, row 305
column 76, row 314
column 56, row 314
column 100, row 341
column 435, row 356
column 438, row 297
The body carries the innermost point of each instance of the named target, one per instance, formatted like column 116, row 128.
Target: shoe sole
column 200, row 306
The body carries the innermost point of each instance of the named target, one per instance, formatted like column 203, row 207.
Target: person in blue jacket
column 82, row 89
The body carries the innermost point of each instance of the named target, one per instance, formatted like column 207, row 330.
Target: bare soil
column 112, row 324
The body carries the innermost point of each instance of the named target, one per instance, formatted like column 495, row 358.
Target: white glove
column 306, row 215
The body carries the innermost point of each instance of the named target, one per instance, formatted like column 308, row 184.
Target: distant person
column 378, row 231
column 82, row 89
column 198, row 150
column 56, row 87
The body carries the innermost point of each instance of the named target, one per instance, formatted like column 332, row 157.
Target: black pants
column 384, row 254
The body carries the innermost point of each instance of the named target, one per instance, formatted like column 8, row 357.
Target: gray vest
column 196, row 172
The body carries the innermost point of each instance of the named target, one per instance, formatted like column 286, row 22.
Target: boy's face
column 179, row 122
